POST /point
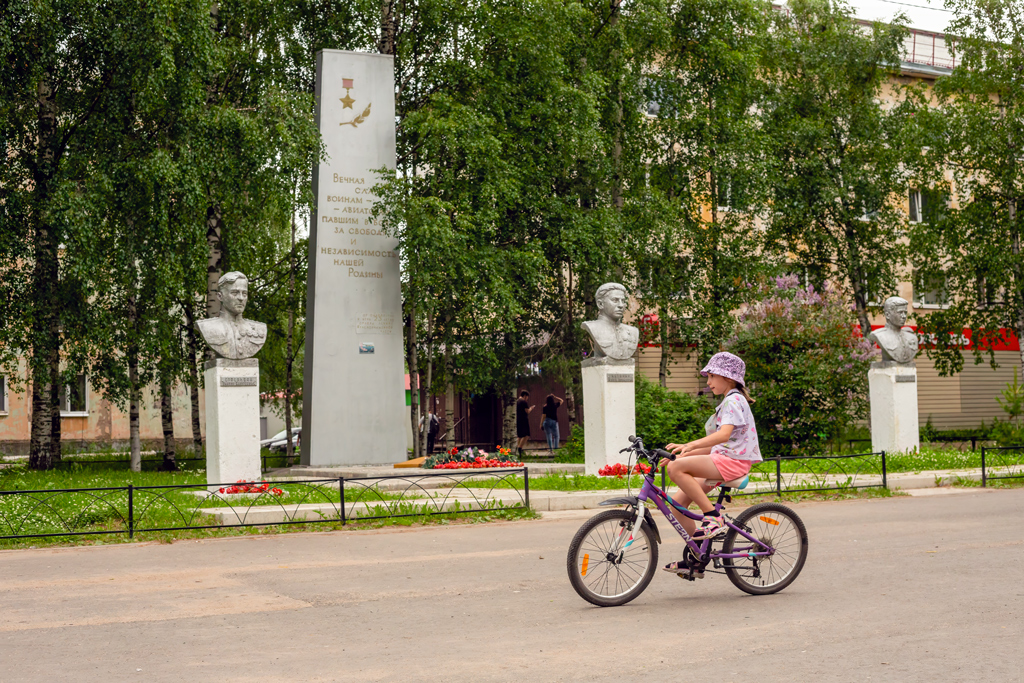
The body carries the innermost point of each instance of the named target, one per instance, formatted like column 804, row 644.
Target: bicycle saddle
column 740, row 483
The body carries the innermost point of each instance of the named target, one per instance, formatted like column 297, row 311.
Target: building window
column 732, row 192
column 3, row 395
column 74, row 397
column 989, row 294
column 927, row 205
column 930, row 290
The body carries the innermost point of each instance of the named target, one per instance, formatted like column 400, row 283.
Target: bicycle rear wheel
column 606, row 578
column 777, row 526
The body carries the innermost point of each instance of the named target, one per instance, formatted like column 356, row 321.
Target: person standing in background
column 523, row 410
column 433, row 427
column 550, row 423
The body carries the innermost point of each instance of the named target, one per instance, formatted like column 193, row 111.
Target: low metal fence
column 1001, row 463
column 129, row 510
column 815, row 473
column 819, row 473
column 155, row 463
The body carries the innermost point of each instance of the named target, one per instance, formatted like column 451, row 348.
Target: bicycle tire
column 788, row 536
column 592, row 542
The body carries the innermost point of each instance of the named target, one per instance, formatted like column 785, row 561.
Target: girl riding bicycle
column 727, row 452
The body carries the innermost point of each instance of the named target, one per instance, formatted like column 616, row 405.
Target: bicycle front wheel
column 604, row 576
column 777, row 526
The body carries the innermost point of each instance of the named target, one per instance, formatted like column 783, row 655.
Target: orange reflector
column 769, row 520
column 586, row 561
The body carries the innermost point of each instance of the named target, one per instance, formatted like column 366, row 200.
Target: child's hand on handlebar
column 679, row 448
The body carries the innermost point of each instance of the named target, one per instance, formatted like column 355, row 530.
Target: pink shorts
column 730, row 468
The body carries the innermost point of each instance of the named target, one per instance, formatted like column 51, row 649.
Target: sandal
column 711, row 527
column 677, row 567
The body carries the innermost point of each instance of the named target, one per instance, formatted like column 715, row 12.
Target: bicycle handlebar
column 637, row 444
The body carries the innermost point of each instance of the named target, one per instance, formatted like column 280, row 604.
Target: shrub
column 1011, row 432
column 807, row 366
column 662, row 417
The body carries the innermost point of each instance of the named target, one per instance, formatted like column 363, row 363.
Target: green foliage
column 838, row 150
column 573, row 450
column 806, row 366
column 662, row 417
column 972, row 141
column 1011, row 432
column 707, row 151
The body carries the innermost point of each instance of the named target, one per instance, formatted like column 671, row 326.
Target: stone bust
column 230, row 335
column 611, row 338
column 898, row 343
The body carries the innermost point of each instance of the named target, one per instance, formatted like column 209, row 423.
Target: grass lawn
column 106, row 510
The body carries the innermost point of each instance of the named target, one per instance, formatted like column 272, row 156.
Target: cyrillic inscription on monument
column 239, row 381
column 354, row 390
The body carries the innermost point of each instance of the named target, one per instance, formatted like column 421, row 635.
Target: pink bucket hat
column 726, row 365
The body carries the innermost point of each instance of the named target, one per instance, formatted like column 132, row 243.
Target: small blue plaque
column 366, row 347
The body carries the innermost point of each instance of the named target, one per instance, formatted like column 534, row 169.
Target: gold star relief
column 347, row 101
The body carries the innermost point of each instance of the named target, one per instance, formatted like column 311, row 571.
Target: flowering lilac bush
column 807, row 365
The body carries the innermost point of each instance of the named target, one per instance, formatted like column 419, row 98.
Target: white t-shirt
column 742, row 444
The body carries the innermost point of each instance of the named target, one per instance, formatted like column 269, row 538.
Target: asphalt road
column 902, row 589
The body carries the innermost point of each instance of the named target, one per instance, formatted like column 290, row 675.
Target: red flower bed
column 242, row 487
column 620, row 470
column 476, row 464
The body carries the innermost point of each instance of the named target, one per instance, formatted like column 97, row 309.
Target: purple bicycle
column 614, row 555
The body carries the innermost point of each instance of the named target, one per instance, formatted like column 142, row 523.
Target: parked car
column 277, row 442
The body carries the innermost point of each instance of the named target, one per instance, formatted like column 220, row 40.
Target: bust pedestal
column 232, row 421
column 609, row 413
column 894, row 420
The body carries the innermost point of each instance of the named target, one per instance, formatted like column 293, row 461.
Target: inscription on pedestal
column 906, row 378
column 620, row 377
column 238, row 381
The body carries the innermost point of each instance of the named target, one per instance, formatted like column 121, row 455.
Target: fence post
column 131, row 511
column 778, row 475
column 984, row 479
column 526, row 484
column 341, row 497
column 885, row 483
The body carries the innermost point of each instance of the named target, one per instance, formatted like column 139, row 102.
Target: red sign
column 1007, row 342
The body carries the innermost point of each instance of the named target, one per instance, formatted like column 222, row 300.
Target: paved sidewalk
column 432, row 498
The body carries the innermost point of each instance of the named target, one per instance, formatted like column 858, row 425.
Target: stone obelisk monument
column 609, row 391
column 353, row 394
column 232, row 386
column 893, row 383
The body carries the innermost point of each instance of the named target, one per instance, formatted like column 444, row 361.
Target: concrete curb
column 556, row 501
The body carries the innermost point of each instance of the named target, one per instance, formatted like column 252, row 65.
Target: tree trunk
column 167, row 421
column 426, row 387
column 386, row 46
column 134, row 390
column 55, row 434
column 40, row 449
column 414, row 391
column 508, row 423
column 45, row 360
column 617, row 198
column 193, row 373
column 666, row 351
column 215, row 262
column 289, row 446
column 1016, row 247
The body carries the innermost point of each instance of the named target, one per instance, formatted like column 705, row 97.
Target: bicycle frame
column 650, row 491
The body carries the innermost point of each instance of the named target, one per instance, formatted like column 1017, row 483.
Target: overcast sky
column 928, row 15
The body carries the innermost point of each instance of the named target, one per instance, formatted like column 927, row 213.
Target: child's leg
column 684, row 472
column 683, row 500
